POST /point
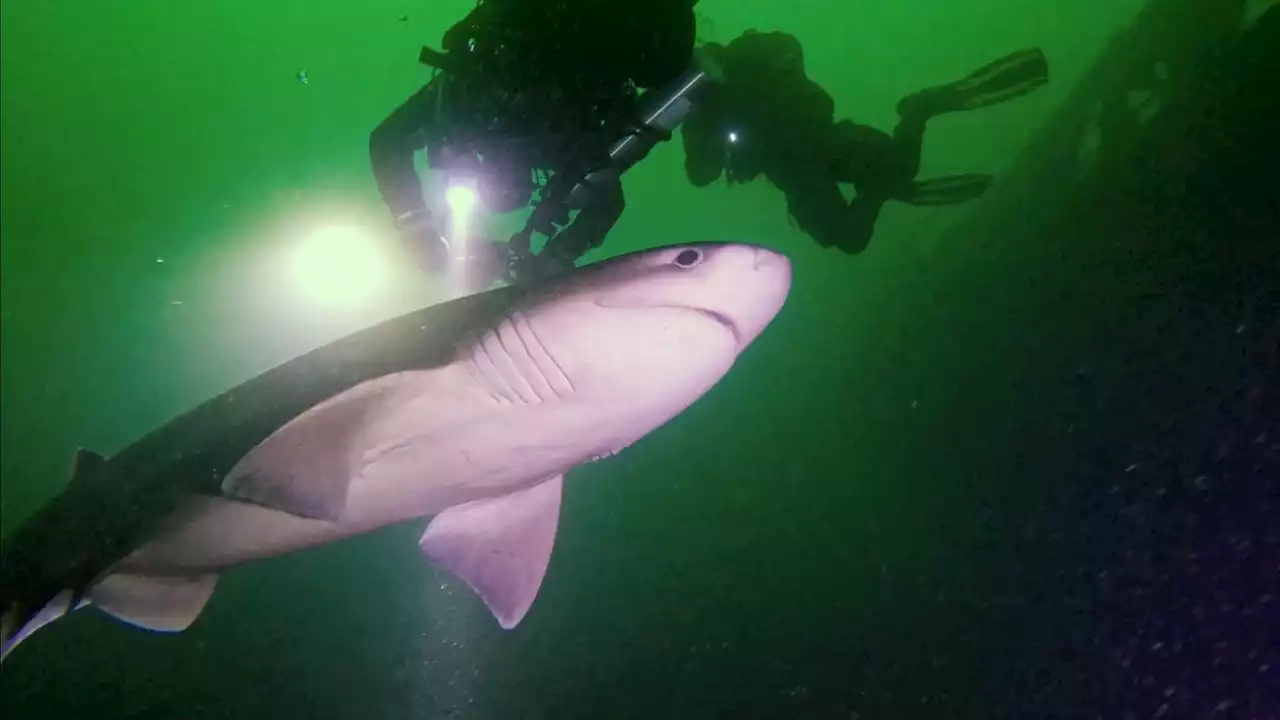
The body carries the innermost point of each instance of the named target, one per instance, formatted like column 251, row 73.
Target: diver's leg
column 1011, row 76
column 885, row 167
column 908, row 145
column 823, row 214
column 876, row 163
column 860, row 222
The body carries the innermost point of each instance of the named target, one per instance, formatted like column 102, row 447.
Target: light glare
column 339, row 267
column 461, row 199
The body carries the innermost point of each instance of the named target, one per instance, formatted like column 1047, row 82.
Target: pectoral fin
column 306, row 466
column 500, row 547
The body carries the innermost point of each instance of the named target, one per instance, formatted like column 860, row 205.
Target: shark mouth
column 715, row 316
column 721, row 319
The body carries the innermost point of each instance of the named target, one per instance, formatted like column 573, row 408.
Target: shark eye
column 688, row 258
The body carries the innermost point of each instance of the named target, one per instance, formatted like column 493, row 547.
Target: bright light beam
column 461, row 197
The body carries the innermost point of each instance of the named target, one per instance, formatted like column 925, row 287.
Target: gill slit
column 518, row 377
column 519, row 370
column 519, row 317
column 533, row 362
column 491, row 381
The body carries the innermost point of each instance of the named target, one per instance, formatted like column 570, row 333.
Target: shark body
column 469, row 413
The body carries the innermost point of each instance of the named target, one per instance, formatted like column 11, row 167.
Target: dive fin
column 1011, row 76
column 150, row 602
column 88, row 466
column 947, row 190
column 304, row 468
column 500, row 547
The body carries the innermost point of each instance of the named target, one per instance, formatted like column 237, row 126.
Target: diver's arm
column 391, row 148
column 860, row 224
column 593, row 223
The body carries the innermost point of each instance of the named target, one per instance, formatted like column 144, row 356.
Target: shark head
column 649, row 332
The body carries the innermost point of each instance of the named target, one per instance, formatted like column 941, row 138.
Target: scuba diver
column 767, row 117
column 529, row 87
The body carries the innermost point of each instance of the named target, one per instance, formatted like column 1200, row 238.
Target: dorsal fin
column 87, row 466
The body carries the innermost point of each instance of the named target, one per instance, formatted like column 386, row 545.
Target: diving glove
column 529, row 266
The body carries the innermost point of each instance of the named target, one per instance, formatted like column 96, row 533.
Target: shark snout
column 766, row 259
column 756, row 291
column 739, row 286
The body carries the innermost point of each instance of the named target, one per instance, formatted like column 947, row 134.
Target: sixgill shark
column 469, row 412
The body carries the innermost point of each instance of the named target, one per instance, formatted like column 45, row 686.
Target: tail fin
column 14, row 628
column 160, row 604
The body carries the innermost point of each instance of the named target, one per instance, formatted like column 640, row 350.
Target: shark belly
column 434, row 440
column 509, row 418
